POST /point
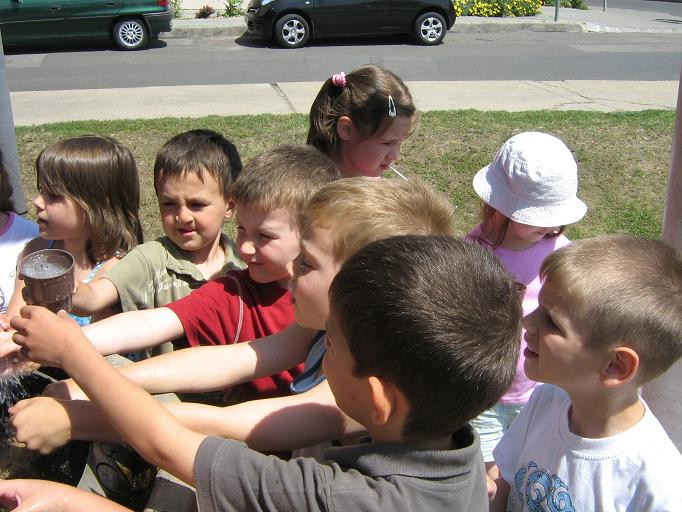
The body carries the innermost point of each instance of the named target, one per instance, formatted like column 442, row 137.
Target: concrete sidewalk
column 570, row 20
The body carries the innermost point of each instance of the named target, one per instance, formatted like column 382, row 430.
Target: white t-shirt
column 549, row 468
column 13, row 238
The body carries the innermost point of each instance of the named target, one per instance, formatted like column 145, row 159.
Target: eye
column 197, row 206
column 266, row 236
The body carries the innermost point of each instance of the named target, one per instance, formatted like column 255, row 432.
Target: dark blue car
column 293, row 22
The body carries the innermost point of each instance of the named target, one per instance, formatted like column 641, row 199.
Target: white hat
column 533, row 180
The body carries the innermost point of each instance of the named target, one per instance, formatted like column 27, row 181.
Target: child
column 529, row 196
column 608, row 321
column 340, row 219
column 87, row 204
column 361, row 119
column 422, row 306
column 193, row 173
column 15, row 232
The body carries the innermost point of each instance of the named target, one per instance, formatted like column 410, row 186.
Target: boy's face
column 192, row 210
column 351, row 393
column 268, row 242
column 314, row 270
column 556, row 352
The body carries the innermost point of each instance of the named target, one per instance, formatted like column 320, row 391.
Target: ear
column 345, row 128
column 383, row 399
column 622, row 368
column 229, row 211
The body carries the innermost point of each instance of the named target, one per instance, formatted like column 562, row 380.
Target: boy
column 338, row 220
column 428, row 302
column 608, row 321
column 193, row 173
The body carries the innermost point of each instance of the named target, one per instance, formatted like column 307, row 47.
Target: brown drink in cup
column 48, row 276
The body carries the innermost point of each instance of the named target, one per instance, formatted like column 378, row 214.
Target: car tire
column 292, row 31
column 131, row 34
column 430, row 28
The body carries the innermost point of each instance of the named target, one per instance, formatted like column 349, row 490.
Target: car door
column 340, row 17
column 31, row 20
column 403, row 13
column 91, row 18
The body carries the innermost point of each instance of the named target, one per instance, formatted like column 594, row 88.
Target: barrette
column 392, row 112
column 339, row 80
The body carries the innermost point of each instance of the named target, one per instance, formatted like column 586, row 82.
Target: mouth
column 529, row 354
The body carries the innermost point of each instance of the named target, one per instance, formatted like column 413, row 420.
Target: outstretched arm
column 134, row 330
column 141, row 420
column 44, row 496
column 90, row 298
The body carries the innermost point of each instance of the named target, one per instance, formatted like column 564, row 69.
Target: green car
column 130, row 23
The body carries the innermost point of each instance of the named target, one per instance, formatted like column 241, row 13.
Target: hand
column 11, row 361
column 43, row 336
column 492, row 488
column 66, row 389
column 4, row 323
column 41, row 423
column 34, row 495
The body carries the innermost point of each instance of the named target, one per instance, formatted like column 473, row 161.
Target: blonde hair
column 364, row 99
column 623, row 291
column 360, row 211
column 284, row 177
column 99, row 174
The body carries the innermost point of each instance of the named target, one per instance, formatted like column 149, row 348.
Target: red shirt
column 233, row 309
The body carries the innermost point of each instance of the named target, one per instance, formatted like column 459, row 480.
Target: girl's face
column 370, row 156
column 60, row 217
column 522, row 236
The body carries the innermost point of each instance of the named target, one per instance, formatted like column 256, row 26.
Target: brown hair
column 362, row 210
column 364, row 100
column 6, row 203
column 493, row 231
column 100, row 174
column 436, row 316
column 623, row 291
column 198, row 152
column 284, row 177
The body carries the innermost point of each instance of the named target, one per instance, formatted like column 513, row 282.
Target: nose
column 39, row 202
column 183, row 215
column 394, row 152
column 246, row 247
column 528, row 321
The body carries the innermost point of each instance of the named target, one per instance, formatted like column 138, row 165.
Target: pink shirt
column 525, row 267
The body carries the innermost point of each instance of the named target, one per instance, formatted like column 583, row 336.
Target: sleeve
column 508, row 451
column 133, row 278
column 230, row 476
column 211, row 314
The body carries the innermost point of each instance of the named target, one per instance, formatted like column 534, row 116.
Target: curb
column 493, row 26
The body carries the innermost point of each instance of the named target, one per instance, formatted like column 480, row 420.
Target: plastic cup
column 48, row 276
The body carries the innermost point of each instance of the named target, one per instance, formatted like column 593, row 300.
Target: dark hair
column 439, row 318
column 6, row 203
column 100, row 174
column 197, row 152
column 622, row 290
column 284, row 177
column 364, row 100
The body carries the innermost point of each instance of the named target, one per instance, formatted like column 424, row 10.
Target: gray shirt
column 369, row 477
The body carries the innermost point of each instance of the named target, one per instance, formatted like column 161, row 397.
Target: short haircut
column 362, row 210
column 623, row 290
column 100, row 174
column 6, row 203
column 439, row 318
column 198, row 152
column 284, row 177
column 365, row 100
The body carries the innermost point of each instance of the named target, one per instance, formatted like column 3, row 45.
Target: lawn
column 624, row 158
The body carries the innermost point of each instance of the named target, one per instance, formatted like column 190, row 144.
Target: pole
column 8, row 141
column 556, row 9
column 662, row 394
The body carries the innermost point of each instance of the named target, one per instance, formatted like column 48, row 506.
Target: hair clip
column 339, row 80
column 392, row 112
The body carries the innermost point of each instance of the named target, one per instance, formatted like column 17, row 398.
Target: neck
column 605, row 413
column 347, row 170
column 210, row 259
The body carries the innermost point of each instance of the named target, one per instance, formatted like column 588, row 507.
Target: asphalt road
column 225, row 60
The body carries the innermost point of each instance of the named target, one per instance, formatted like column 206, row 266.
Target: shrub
column 176, row 8
column 205, row 12
column 233, row 8
column 570, row 4
column 510, row 8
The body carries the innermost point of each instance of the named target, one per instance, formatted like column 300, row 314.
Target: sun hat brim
column 542, row 214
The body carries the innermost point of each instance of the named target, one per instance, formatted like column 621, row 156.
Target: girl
column 529, row 196
column 15, row 231
column 361, row 119
column 87, row 204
